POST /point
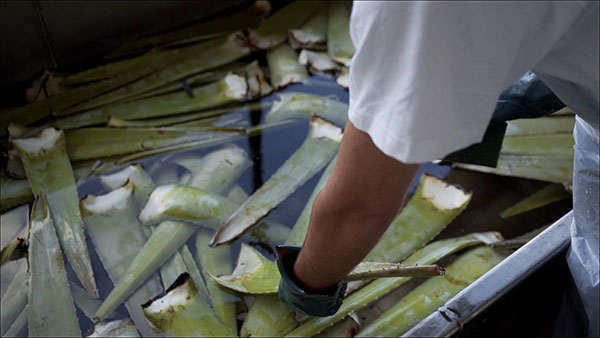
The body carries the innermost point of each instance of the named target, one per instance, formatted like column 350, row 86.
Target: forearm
column 362, row 196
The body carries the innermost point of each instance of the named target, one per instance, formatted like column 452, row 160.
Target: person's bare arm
column 362, row 196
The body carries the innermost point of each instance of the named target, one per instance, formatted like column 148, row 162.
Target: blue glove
column 291, row 294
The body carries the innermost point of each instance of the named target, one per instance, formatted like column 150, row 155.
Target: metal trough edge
column 475, row 298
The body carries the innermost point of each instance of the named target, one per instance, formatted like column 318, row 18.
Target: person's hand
column 322, row 304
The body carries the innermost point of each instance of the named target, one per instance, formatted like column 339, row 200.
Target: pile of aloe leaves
column 131, row 189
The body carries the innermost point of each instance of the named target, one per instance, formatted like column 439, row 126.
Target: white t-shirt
column 426, row 76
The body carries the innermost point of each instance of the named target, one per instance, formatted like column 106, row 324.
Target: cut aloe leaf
column 194, row 271
column 51, row 309
column 549, row 169
column 317, row 150
column 541, row 125
column 19, row 327
column 180, row 312
column 50, row 174
column 14, row 299
column 274, row 29
column 142, row 183
column 301, row 105
column 552, row 145
column 165, row 240
column 118, row 237
column 549, row 194
column 14, row 192
column 14, row 250
column 115, row 328
column 284, row 66
column 87, row 304
column 313, row 33
column 219, row 170
column 343, row 78
column 317, row 62
column 433, row 293
column 186, row 204
column 427, row 255
column 217, row 261
column 172, row 268
column 232, row 88
column 339, row 44
column 255, row 274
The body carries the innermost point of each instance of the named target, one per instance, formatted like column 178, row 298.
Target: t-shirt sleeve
column 426, row 76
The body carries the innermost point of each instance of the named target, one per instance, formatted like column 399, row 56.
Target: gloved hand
column 324, row 304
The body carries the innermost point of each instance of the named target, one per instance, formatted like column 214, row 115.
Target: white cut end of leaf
column 237, row 86
column 102, row 329
column 306, row 37
column 344, row 78
column 118, row 179
column 42, row 141
column 114, row 200
column 488, row 238
column 153, row 207
column 248, row 261
column 317, row 60
column 321, row 128
column 277, row 103
column 443, row 195
column 181, row 295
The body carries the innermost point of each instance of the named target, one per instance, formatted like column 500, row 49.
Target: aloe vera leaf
column 142, row 182
column 190, row 60
column 38, row 110
column 301, row 105
column 168, row 236
column 51, row 308
column 115, row 328
column 185, row 204
column 165, row 240
column 233, row 87
column 181, row 312
column 433, row 293
column 14, row 167
column 270, row 324
column 317, row 62
column 565, row 111
column 14, row 250
column 248, row 17
column 433, row 206
column 194, row 271
column 347, row 327
column 19, row 327
column 87, row 304
column 268, row 232
column 14, row 192
column 219, row 170
column 14, row 224
column 237, row 194
column 339, row 44
column 550, row 169
column 217, row 261
column 429, row 254
column 117, row 236
column 164, row 173
column 258, row 85
column 91, row 143
column 317, row 150
column 542, row 125
column 273, row 30
column 14, row 299
column 255, row 274
column 313, row 33
column 553, row 145
column 50, row 174
column 225, row 137
column 343, row 78
column 284, row 66
column 173, row 120
column 549, row 194
column 172, row 268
